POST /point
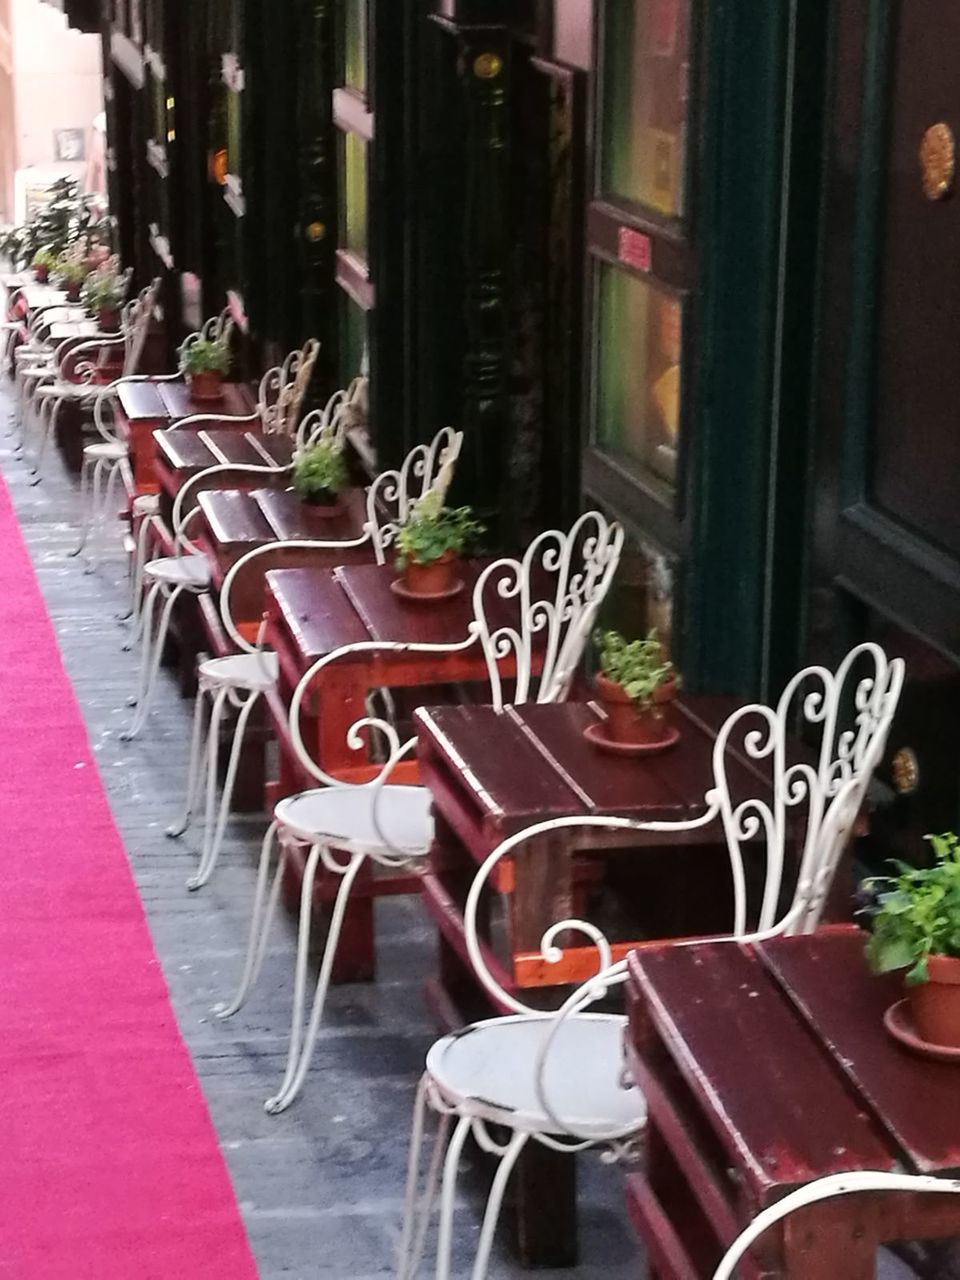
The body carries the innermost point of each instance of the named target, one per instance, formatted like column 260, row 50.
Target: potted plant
column 72, row 270
column 430, row 542
column 916, row 927
column 104, row 290
column 204, row 363
column 44, row 260
column 636, row 685
column 320, row 474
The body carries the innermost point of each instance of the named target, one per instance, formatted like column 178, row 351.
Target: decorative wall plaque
column 937, row 161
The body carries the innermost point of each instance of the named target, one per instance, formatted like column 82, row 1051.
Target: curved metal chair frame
column 106, row 462
column 55, row 388
column 580, row 566
column 829, row 1188
column 826, row 793
column 238, row 686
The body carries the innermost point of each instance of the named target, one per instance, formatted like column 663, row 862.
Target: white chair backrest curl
column 542, row 585
column 829, row 1188
column 578, row 567
column 334, row 420
column 393, row 494
column 283, row 388
column 134, row 328
column 213, row 329
column 136, row 324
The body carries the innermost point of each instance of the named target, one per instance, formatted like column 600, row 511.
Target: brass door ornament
column 906, row 771
column 937, row 161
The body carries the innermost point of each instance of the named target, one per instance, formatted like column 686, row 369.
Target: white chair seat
column 489, row 1069
column 345, row 814
column 254, row 671
column 146, row 504
column 107, row 450
column 179, row 571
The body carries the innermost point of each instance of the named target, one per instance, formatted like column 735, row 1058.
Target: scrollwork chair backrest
column 334, row 420
column 556, row 590
column 283, row 388
column 136, row 324
column 392, row 495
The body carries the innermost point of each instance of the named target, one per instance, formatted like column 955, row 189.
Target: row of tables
column 763, row 1067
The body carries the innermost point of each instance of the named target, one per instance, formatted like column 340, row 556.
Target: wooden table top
column 785, row 1052
column 532, row 762
column 62, row 330
column 189, row 451
column 241, row 519
column 169, row 399
column 43, row 295
column 324, row 608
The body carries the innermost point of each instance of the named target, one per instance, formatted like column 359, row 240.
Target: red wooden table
column 765, row 1068
column 145, row 407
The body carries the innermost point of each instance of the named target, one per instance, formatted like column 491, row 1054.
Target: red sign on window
column 634, row 249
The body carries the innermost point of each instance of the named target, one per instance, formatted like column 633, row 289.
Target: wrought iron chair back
column 332, row 422
column 283, row 388
column 393, row 494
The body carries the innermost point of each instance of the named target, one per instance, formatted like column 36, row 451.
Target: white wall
column 57, row 84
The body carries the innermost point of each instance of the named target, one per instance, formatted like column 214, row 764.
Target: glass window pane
column 355, row 45
column 642, row 595
column 353, row 341
column 354, row 219
column 645, row 102
column 638, row 377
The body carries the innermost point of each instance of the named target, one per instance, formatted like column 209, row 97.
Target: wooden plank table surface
column 151, row 405
column 765, row 1068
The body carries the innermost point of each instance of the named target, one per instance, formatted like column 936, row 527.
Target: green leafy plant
column 432, row 529
column 638, row 666
column 105, row 288
column 71, row 266
column 65, row 218
column 916, row 914
column 320, row 469
column 207, row 355
column 44, row 258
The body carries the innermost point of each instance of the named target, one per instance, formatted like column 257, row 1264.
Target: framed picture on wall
column 69, row 145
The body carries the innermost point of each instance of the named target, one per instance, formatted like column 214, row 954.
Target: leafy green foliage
column 320, row 469
column 104, row 288
column 44, row 258
column 206, row 355
column 638, row 666
column 71, row 266
column 67, row 218
column 916, row 914
column 433, row 529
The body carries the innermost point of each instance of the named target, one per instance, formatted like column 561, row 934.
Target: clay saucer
column 595, row 735
column 899, row 1022
column 399, row 588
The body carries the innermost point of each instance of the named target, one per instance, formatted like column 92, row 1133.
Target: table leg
column 546, row 1220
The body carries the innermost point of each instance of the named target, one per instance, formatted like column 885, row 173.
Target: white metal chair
column 555, row 591
column 839, row 1184
column 107, row 461
column 80, row 386
column 556, row 1078
column 239, row 680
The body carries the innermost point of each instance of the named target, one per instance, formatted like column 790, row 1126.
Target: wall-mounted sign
column 634, row 249
column 69, row 145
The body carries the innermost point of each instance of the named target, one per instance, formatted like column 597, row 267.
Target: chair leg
column 195, row 768
column 451, row 1168
column 213, row 833
column 301, row 1046
column 264, row 908
column 150, row 666
column 416, row 1219
column 139, row 561
column 495, row 1202
column 49, row 424
column 85, row 499
column 103, row 514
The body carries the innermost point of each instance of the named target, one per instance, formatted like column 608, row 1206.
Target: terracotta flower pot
column 632, row 722
column 207, row 385
column 73, row 291
column 108, row 319
column 41, row 274
column 936, row 1003
column 431, row 579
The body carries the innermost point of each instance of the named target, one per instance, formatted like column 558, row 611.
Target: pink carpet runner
column 109, row 1164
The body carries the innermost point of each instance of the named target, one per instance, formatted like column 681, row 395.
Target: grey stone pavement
column 320, row 1187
